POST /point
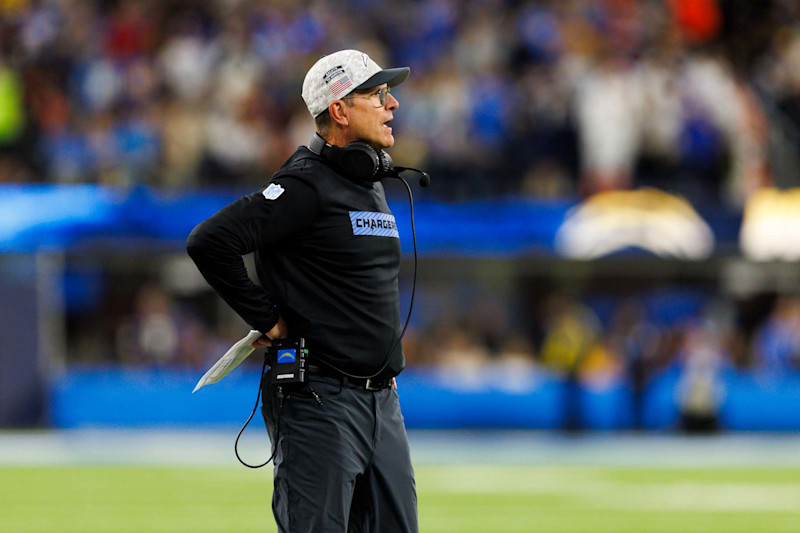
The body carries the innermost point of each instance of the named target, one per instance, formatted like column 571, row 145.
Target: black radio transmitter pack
column 288, row 361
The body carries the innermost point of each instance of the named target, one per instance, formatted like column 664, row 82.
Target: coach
column 327, row 254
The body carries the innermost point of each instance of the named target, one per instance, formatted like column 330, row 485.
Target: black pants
column 344, row 465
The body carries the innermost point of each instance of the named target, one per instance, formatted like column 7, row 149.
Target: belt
column 372, row 384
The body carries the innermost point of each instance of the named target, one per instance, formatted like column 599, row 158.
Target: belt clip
column 370, row 385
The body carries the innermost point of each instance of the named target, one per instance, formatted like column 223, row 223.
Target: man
column 327, row 255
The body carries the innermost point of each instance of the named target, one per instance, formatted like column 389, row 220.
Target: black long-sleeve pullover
column 327, row 256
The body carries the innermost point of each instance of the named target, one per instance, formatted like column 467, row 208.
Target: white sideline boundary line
column 161, row 447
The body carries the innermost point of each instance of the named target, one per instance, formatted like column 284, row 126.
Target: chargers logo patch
column 273, row 191
column 375, row 224
column 287, row 356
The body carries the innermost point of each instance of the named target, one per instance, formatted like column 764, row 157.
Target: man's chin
column 382, row 142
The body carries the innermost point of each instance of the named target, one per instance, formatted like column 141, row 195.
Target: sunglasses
column 381, row 93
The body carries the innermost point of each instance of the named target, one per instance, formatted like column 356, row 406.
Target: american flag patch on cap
column 340, row 86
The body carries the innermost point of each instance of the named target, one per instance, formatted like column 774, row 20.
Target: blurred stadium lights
column 661, row 223
column 771, row 225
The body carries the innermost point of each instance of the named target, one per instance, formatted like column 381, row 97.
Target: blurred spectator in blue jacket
column 776, row 345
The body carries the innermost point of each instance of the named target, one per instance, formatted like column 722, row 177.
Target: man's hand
column 279, row 331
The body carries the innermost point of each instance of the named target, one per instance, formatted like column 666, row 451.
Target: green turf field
column 494, row 499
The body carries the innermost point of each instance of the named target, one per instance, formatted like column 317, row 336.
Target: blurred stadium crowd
column 598, row 339
column 478, row 337
column 540, row 98
column 544, row 99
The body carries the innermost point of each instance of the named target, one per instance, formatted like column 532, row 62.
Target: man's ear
column 339, row 112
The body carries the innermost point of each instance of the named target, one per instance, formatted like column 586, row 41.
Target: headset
column 360, row 163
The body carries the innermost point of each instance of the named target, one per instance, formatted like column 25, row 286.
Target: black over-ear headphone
column 360, row 162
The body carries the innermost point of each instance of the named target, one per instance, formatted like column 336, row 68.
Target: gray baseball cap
column 336, row 75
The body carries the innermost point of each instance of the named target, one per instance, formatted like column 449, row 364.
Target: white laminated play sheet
column 232, row 358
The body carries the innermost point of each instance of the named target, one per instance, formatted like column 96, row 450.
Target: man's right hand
column 279, row 331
